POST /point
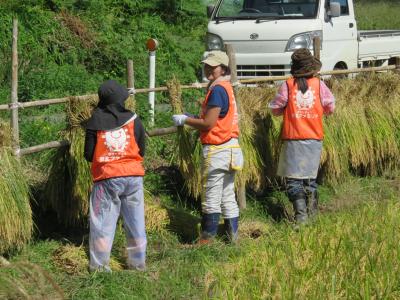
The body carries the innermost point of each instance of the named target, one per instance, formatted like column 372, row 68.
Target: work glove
column 179, row 120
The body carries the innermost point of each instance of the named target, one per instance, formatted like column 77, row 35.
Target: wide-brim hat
column 215, row 58
column 304, row 64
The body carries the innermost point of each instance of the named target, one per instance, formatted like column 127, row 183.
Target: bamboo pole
column 334, row 72
column 38, row 148
column 241, row 189
column 64, row 143
column 162, row 131
column 194, row 86
column 14, row 90
column 317, row 47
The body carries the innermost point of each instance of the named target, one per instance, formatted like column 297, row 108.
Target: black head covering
column 304, row 64
column 110, row 112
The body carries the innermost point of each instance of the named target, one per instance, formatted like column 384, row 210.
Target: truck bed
column 378, row 44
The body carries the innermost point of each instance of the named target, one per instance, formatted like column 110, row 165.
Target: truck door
column 340, row 37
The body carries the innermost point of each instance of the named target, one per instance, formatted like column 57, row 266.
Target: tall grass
column 15, row 212
column 377, row 15
column 349, row 255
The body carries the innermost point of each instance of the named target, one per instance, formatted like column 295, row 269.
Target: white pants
column 108, row 199
column 220, row 163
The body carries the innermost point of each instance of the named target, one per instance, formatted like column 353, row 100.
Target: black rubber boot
column 300, row 208
column 209, row 227
column 231, row 229
column 312, row 204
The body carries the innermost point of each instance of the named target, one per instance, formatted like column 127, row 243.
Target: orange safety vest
column 226, row 127
column 116, row 154
column 302, row 118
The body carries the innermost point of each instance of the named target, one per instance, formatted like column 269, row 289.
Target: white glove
column 179, row 120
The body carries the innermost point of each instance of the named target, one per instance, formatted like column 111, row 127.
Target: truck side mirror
column 210, row 9
column 334, row 9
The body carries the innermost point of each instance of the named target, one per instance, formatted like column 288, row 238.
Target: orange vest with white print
column 302, row 118
column 116, row 154
column 226, row 127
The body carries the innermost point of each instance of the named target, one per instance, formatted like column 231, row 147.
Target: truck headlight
column 303, row 40
column 213, row 42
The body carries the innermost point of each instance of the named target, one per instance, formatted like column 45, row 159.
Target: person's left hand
column 179, row 120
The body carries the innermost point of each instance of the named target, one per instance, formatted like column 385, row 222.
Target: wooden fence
column 15, row 105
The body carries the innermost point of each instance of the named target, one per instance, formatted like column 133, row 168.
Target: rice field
column 349, row 252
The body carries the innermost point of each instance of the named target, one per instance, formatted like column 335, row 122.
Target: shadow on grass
column 274, row 204
column 185, row 225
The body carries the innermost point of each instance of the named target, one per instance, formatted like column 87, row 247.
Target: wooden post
column 317, row 47
column 130, row 79
column 398, row 64
column 241, row 188
column 130, row 82
column 14, row 89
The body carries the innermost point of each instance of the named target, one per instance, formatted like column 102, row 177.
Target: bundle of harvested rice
column 252, row 112
column 70, row 182
column 188, row 145
column 73, row 260
column 156, row 216
column 15, row 211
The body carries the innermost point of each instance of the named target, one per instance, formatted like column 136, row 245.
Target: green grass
column 351, row 251
column 374, row 15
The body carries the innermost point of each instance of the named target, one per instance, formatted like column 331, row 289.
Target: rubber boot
column 209, row 227
column 231, row 229
column 300, row 208
column 312, row 204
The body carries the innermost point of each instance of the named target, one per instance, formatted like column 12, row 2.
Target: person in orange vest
column 222, row 155
column 115, row 145
column 302, row 100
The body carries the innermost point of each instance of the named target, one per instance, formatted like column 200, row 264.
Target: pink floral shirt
column 279, row 103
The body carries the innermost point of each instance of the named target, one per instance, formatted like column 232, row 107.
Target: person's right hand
column 179, row 120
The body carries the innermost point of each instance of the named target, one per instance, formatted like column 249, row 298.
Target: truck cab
column 264, row 34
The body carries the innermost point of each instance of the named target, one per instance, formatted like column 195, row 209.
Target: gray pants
column 109, row 199
column 220, row 163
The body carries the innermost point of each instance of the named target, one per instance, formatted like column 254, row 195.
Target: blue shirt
column 219, row 98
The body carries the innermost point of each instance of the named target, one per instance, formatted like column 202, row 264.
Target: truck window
column 344, row 6
column 276, row 9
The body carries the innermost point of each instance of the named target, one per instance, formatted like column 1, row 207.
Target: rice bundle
column 187, row 143
column 73, row 260
column 156, row 216
column 362, row 136
column 70, row 181
column 15, row 211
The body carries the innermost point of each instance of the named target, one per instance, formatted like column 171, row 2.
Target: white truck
column 264, row 33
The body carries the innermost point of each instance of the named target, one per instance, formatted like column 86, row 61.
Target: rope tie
column 15, row 105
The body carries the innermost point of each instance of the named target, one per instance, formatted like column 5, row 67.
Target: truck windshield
column 274, row 9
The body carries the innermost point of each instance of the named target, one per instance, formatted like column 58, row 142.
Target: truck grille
column 246, row 71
